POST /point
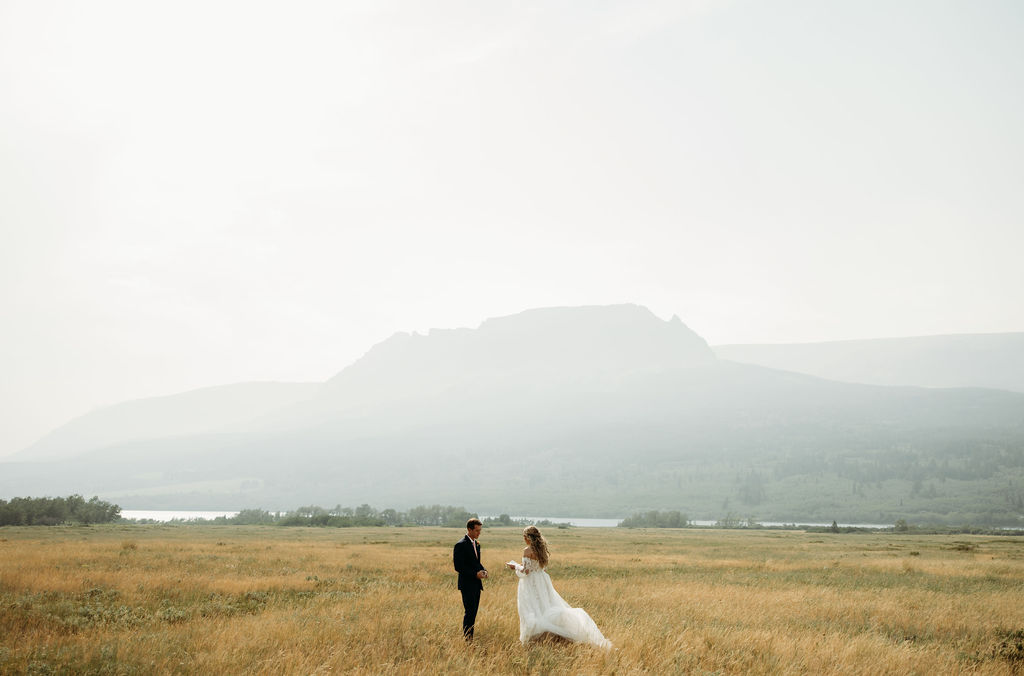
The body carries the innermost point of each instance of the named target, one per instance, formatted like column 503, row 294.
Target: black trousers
column 471, row 602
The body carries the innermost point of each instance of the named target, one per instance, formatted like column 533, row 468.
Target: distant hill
column 974, row 360
column 586, row 411
column 189, row 413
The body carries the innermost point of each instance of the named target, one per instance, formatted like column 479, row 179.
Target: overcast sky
column 199, row 193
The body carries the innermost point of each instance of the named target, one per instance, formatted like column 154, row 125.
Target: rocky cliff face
column 544, row 346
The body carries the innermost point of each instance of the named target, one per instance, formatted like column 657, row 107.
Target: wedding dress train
column 541, row 609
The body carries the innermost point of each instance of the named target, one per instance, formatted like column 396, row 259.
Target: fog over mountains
column 209, row 409
column 590, row 411
column 979, row 360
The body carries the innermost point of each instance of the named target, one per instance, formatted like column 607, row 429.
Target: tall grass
column 149, row 599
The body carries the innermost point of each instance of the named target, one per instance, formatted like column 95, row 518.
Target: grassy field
column 131, row 599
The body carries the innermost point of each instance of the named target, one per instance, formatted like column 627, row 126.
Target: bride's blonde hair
column 538, row 543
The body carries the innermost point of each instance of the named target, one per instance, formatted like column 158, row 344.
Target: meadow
column 140, row 599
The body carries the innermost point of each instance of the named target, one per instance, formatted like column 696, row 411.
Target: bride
column 541, row 609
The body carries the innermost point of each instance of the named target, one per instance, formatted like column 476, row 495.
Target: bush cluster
column 55, row 511
column 656, row 519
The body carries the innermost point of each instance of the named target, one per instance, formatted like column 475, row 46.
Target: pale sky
column 201, row 193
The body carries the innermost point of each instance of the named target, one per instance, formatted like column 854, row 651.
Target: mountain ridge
column 179, row 414
column 994, row 360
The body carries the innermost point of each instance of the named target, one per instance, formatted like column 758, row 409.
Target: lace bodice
column 531, row 565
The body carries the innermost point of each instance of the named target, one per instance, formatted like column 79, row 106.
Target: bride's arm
column 520, row 569
column 527, row 552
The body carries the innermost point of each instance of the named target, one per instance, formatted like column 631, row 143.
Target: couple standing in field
column 541, row 609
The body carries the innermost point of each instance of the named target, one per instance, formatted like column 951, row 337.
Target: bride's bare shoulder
column 528, row 553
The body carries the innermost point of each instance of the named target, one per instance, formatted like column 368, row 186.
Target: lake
column 168, row 515
column 579, row 522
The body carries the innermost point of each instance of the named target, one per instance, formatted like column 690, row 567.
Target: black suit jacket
column 467, row 564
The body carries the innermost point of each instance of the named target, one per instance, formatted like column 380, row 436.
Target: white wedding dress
column 541, row 609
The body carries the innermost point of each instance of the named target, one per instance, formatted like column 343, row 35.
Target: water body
column 609, row 523
column 571, row 520
column 169, row 515
column 184, row 515
column 697, row 522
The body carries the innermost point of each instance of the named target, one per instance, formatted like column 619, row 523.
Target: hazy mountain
column 599, row 411
column 975, row 360
column 549, row 347
column 189, row 413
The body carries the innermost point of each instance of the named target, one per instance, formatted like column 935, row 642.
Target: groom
column 466, row 558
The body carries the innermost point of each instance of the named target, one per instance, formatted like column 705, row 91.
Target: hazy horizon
column 198, row 195
column 408, row 361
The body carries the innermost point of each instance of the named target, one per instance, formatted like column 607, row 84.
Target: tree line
column 75, row 509
column 343, row 517
column 446, row 516
column 56, row 511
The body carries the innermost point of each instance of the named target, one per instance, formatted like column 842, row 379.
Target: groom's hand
column 481, row 574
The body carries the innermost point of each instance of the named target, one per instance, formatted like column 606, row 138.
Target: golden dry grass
column 234, row 600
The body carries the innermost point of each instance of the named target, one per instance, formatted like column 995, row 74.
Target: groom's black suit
column 466, row 557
